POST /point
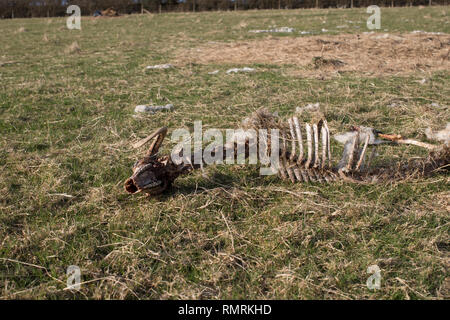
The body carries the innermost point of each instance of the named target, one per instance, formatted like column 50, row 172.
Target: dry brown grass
column 370, row 54
column 73, row 48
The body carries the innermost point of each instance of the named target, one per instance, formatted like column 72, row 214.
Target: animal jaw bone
column 154, row 175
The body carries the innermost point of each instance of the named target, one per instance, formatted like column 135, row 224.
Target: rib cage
column 305, row 155
column 317, row 164
column 305, row 150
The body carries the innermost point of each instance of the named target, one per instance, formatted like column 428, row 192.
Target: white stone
column 160, row 66
column 236, row 70
column 152, row 109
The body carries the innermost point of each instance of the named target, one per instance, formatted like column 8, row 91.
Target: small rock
column 425, row 32
column 152, row 109
column 423, row 81
column 214, row 72
column 434, row 104
column 281, row 29
column 308, row 107
column 442, row 135
column 236, row 70
column 160, row 66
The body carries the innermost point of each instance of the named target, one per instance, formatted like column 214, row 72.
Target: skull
column 148, row 176
column 151, row 174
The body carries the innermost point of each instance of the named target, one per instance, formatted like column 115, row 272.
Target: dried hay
column 369, row 54
column 73, row 48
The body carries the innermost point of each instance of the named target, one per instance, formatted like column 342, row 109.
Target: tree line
column 52, row 8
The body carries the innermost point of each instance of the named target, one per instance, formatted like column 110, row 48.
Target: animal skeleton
column 311, row 163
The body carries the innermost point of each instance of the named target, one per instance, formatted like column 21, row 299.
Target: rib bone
column 324, row 146
column 363, row 153
column 309, row 144
column 316, row 146
column 300, row 140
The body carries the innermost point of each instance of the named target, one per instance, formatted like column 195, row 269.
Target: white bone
column 283, row 145
column 297, row 174
column 291, row 128
column 309, row 144
column 299, row 137
column 328, row 142
column 282, row 170
column 159, row 134
column 363, row 153
column 304, row 175
column 324, row 146
column 290, row 173
column 283, row 157
column 316, row 146
column 352, row 152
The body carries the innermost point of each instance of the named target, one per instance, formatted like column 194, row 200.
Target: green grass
column 66, row 125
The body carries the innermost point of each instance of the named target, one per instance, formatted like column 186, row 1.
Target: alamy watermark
column 74, row 21
column 374, row 21
column 73, row 278
column 374, row 281
column 240, row 146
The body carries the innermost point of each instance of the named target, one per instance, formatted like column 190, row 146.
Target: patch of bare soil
column 370, row 54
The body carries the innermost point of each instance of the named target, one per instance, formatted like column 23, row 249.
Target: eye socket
column 130, row 186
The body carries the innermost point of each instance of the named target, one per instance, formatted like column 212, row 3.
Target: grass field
column 67, row 123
